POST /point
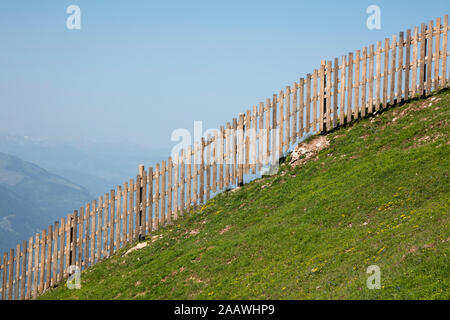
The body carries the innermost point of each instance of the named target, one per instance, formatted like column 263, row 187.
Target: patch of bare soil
column 308, row 150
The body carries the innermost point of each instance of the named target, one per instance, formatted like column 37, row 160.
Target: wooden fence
column 336, row 93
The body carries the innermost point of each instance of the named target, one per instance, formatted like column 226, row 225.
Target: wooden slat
column 202, row 172
column 406, row 90
column 444, row 51
column 321, row 96
column 267, row 117
column 182, row 182
column 80, row 240
column 378, row 78
column 343, row 82
column 195, row 174
column 400, row 45
column 335, row 91
column 55, row 260
column 437, row 46
column 253, row 139
column 17, row 272
column 208, row 167
column 280, row 124
column 112, row 218
column 371, row 78
column 106, row 213
column 42, row 261
column 385, row 72
column 364, row 83
column 301, row 107
column 163, row 219
column 10, row 273
column 214, row 162
column 314, row 101
column 169, row 186
column 287, row 119
column 100, row 225
column 156, row 199
column 294, row 113
column 188, row 177
column 36, row 264
column 423, row 31
column 221, row 157
column 119, row 220
column 144, row 202
column 29, row 268
column 48, row 264
column 393, row 66
column 62, row 248
column 23, row 270
column 429, row 57
column 150, row 200
column 241, row 150
column 246, row 129
column 350, row 87
column 4, row 276
column 308, row 104
column 415, row 61
column 328, row 97
column 137, row 211
column 356, row 85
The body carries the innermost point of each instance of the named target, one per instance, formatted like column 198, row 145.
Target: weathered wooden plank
column 321, row 96
column 163, row 193
column 221, row 156
column 48, row 264
column 30, row 248
column 36, row 265
column 393, row 66
column 350, row 87
column 4, row 276
column 23, row 271
column 62, row 249
column 80, row 240
column 241, row 150
column 42, row 261
column 301, row 106
column 378, row 77
column 328, row 97
column 308, row 103
column 415, row 61
column 386, row 71
column 371, row 78
column 356, row 84
column 182, row 181
column 156, row 198
column 444, row 51
column 10, row 273
column 56, row 232
column 314, row 101
column 343, row 82
column 195, row 191
column 400, row 44
column 422, row 66
column 106, row 212
column 119, row 220
column 429, row 57
column 437, row 46
column 406, row 90
column 169, row 185
column 246, row 129
column 294, row 112
column 151, row 200
column 253, row 139
column 267, row 132
column 202, row 172
column 17, row 272
column 364, row 83
column 188, row 176
column 287, row 120
column 100, row 227
column 112, row 221
column 335, row 91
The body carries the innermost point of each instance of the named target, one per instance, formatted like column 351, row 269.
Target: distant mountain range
column 32, row 198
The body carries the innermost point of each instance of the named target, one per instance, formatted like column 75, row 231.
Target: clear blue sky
column 137, row 70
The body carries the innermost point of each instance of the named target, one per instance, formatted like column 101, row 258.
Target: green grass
column 378, row 195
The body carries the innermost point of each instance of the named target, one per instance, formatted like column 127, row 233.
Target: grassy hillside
column 379, row 194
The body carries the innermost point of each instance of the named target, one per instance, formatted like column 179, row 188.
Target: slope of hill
column 32, row 199
column 378, row 195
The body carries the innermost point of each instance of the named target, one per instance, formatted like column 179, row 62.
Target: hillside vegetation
column 378, row 195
